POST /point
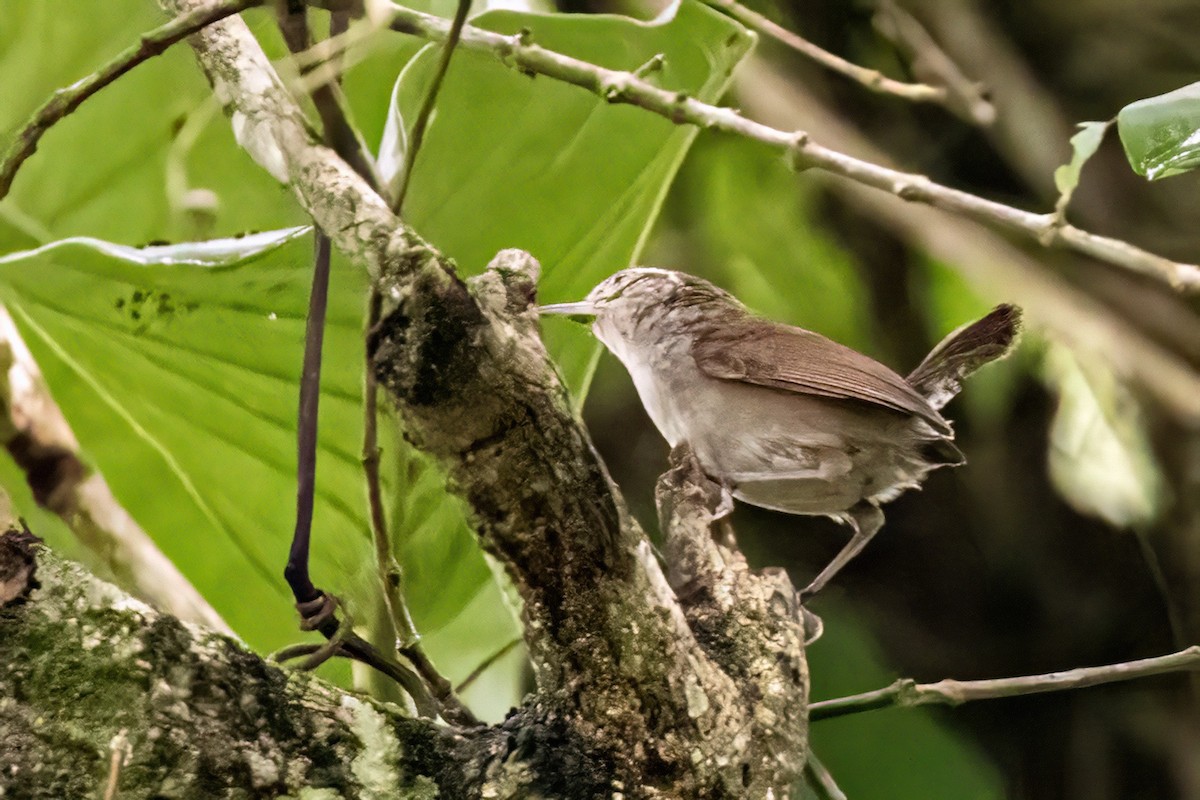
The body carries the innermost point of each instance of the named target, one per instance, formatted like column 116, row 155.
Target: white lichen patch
column 375, row 765
column 309, row 793
column 697, row 698
column 264, row 771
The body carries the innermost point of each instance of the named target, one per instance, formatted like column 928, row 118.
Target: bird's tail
column 939, row 377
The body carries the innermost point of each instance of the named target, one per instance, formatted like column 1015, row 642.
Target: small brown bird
column 782, row 417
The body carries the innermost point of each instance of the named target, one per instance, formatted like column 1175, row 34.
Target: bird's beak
column 584, row 311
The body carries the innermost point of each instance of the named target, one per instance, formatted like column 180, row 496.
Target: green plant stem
column 417, row 135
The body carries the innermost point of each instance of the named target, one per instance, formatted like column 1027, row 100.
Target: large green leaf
column 514, row 161
column 177, row 365
column 1162, row 134
column 177, row 368
column 102, row 171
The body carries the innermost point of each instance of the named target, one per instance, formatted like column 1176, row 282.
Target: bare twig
column 872, row 79
column 820, row 779
column 908, row 693
column 66, row 100
column 486, row 664
column 327, row 97
column 616, row 86
column 417, row 135
column 929, row 61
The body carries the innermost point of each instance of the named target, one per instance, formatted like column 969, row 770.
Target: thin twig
column 821, row 780
column 417, row 136
column 486, row 664
column 908, row 693
column 66, row 100
column 616, row 86
column 928, row 60
column 872, row 79
column 327, row 95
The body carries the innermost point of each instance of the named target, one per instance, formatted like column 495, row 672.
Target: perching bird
column 785, row 418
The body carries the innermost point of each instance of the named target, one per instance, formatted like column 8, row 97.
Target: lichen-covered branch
column 613, row 649
column 202, row 715
column 627, row 696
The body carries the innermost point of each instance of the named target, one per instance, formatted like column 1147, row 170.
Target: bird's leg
column 866, row 519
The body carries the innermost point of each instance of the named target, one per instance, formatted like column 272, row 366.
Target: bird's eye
column 614, row 296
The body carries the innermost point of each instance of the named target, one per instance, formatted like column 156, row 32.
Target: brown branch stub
column 749, row 624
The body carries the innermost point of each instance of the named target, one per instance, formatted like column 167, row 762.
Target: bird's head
column 640, row 299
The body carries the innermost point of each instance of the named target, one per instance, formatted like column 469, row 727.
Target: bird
column 781, row 417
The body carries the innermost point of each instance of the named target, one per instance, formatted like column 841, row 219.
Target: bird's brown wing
column 796, row 360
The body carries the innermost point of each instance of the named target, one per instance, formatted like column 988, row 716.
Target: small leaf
column 1084, row 145
column 1161, row 134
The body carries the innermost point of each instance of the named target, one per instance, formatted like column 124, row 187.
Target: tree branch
column 202, row 715
column 615, row 86
column 66, row 100
column 613, row 655
column 907, row 693
column 871, row 79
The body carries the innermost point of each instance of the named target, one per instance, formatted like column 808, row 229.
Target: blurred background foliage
column 1070, row 538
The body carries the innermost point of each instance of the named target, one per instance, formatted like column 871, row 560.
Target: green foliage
column 1100, row 455
column 1161, row 134
column 1083, row 146
column 177, row 366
